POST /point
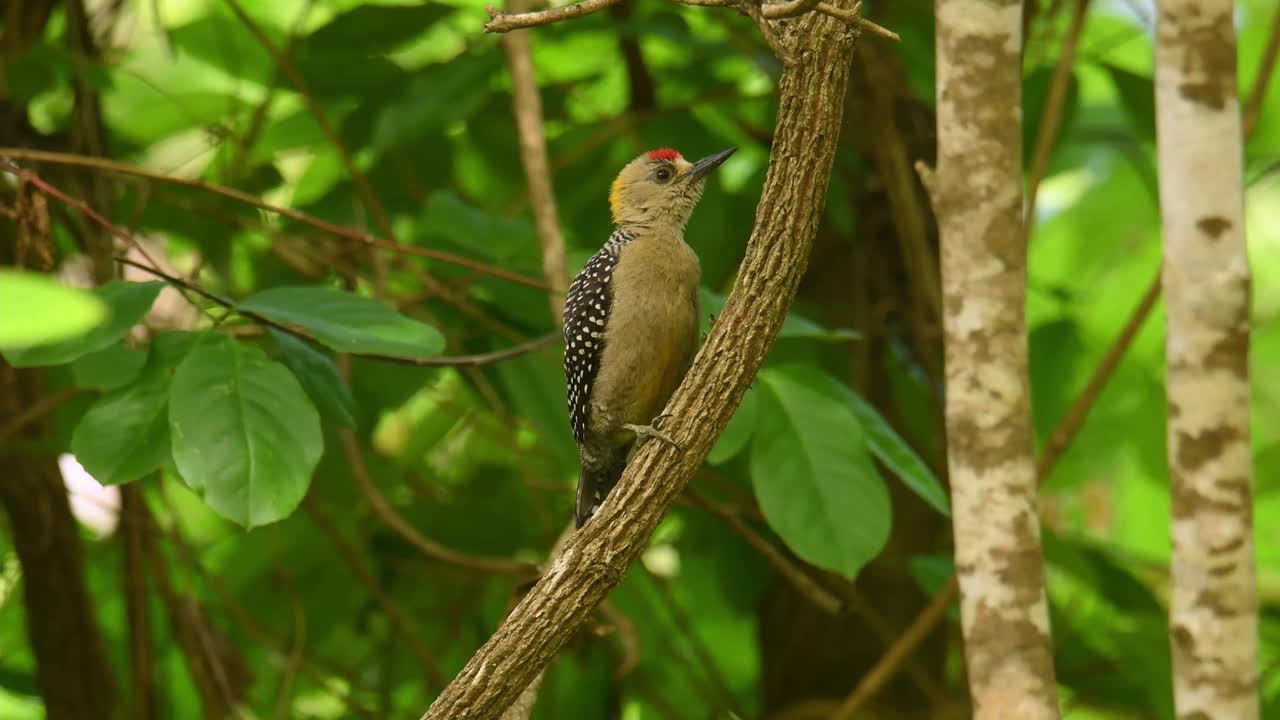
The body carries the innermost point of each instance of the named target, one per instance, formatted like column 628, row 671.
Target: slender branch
column 1051, row 115
column 295, row 78
column 429, row 548
column 357, row 236
column 78, row 204
column 35, row 411
column 596, row 557
column 1253, row 106
column 297, row 655
column 527, row 107
column 702, row 656
column 854, row 17
column 1073, row 420
column 500, row 22
column 399, row 618
column 319, row 671
column 476, row 360
column 898, row 653
column 804, row 584
column 1054, row 449
column 189, row 629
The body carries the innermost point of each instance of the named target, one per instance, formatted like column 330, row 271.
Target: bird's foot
column 646, row 432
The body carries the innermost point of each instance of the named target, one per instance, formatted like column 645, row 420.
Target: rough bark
column 977, row 196
column 1213, row 602
column 595, row 558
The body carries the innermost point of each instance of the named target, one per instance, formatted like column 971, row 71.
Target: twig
column 357, row 236
column 284, row 698
column 318, row 671
column 920, row 628
column 402, row 621
column 348, row 162
column 431, row 549
column 527, row 107
column 476, row 360
column 35, row 411
column 188, row 622
column 1052, row 452
column 1253, row 106
column 804, row 584
column 78, row 204
column 703, row 656
column 771, row 38
column 854, row 17
column 500, row 22
column 1072, row 421
column 1051, row 116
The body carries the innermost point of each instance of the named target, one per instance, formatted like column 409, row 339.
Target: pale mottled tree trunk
column 1213, row 604
column 977, row 196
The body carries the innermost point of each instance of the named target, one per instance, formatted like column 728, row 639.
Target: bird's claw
column 646, row 432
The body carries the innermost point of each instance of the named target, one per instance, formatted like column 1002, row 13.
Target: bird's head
column 660, row 186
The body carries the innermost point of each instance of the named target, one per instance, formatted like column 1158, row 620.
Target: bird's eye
column 662, row 175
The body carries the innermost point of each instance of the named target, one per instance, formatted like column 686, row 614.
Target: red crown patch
column 664, row 154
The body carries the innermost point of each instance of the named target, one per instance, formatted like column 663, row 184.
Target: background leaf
column 245, row 434
column 109, row 368
column 319, row 377
column 125, row 434
column 126, row 302
column 35, row 310
column 813, row 476
column 347, row 322
column 889, row 447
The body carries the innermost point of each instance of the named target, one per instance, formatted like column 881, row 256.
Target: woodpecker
column 631, row 318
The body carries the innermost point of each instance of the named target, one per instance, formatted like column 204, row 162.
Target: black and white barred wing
column 586, row 312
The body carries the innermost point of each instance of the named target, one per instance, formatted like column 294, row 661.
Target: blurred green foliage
column 481, row 460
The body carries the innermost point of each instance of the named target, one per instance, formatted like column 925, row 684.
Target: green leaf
column 125, row 434
column 376, row 29
column 109, row 368
column 1137, row 96
column 813, row 476
column 347, row 322
column 892, row 450
column 481, row 232
column 738, row 432
column 319, row 377
column 127, row 303
column 453, row 91
column 244, row 432
column 63, row 311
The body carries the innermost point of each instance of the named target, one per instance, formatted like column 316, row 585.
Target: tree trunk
column 1213, row 603
column 72, row 671
column 977, row 197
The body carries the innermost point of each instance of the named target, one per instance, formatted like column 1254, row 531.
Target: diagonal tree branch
column 594, row 560
column 356, row 236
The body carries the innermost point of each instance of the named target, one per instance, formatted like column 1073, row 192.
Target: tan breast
column 651, row 334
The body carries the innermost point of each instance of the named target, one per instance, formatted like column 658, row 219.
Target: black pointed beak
column 703, row 167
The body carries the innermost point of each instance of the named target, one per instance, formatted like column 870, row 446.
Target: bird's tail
column 594, row 483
